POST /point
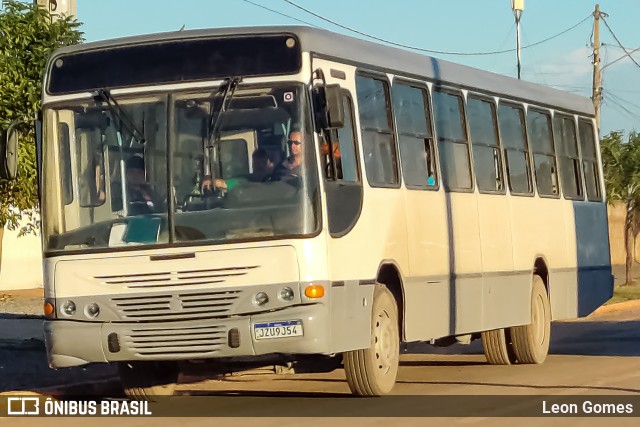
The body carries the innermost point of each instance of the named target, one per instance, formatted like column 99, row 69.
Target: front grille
column 183, row 306
column 178, row 341
column 171, row 279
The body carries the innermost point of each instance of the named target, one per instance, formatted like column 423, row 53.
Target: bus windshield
column 110, row 183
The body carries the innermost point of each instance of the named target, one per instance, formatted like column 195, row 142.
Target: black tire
column 497, row 347
column 372, row 371
column 147, row 380
column 531, row 342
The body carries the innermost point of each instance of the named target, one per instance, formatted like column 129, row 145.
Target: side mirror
column 329, row 110
column 335, row 107
column 9, row 154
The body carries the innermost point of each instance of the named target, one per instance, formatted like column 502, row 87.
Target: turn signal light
column 48, row 309
column 314, row 291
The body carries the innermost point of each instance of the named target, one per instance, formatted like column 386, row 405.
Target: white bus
column 291, row 194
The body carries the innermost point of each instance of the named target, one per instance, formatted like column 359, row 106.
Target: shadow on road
column 528, row 386
column 585, row 338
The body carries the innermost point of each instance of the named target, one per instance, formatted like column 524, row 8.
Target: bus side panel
column 595, row 282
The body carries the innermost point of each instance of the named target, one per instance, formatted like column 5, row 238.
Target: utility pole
column 518, row 7
column 597, row 88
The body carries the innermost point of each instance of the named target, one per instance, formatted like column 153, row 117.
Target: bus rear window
column 175, row 61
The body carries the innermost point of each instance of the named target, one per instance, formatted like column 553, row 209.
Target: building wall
column 21, row 266
column 616, row 235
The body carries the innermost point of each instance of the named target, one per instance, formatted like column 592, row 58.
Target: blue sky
column 451, row 25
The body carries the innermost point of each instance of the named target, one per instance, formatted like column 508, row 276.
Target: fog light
column 92, row 310
column 286, row 294
column 69, row 308
column 314, row 291
column 261, row 298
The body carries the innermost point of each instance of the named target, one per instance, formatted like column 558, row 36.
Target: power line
column 618, row 41
column 621, row 99
column 280, row 13
column 612, row 101
column 353, row 30
column 622, row 57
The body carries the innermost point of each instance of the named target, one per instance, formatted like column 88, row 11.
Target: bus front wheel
column 531, row 342
column 372, row 371
column 147, row 380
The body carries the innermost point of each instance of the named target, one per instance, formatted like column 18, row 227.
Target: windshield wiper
column 227, row 92
column 123, row 119
column 118, row 113
column 231, row 83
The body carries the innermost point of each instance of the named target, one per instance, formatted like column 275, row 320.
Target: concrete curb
column 621, row 306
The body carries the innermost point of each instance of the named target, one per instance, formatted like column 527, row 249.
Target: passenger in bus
column 262, row 166
column 262, row 170
column 140, row 196
column 292, row 165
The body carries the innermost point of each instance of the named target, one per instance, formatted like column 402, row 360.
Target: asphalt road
column 596, row 356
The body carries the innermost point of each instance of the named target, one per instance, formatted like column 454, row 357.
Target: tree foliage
column 28, row 36
column 621, row 163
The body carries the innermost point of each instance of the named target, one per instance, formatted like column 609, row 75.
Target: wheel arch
column 390, row 275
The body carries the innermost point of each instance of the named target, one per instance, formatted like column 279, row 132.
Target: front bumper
column 73, row 343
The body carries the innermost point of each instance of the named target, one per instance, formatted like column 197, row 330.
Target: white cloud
column 572, row 70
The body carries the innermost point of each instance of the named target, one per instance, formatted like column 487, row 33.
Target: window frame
column 527, row 149
column 549, row 114
column 502, row 172
column 563, row 116
column 391, row 120
column 450, row 90
column 428, row 110
column 595, row 160
column 346, row 95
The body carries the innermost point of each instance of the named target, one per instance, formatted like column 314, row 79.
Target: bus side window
column 413, row 122
column 589, row 160
column 514, row 141
column 344, row 148
column 570, row 172
column 380, row 157
column 66, row 176
column 544, row 156
column 487, row 157
column 452, row 140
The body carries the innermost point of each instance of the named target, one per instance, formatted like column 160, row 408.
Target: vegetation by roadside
column 625, row 293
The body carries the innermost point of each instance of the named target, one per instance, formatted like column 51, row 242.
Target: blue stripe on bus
column 595, row 282
column 278, row 324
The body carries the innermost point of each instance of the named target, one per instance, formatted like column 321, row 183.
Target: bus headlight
column 69, row 308
column 261, row 298
column 286, row 294
column 92, row 310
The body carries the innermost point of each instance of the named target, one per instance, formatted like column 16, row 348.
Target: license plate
column 289, row 328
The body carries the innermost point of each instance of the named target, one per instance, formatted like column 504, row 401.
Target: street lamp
column 518, row 7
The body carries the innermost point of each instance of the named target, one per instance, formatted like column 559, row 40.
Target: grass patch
column 625, row 293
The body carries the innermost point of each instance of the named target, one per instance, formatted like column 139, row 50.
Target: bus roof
column 376, row 56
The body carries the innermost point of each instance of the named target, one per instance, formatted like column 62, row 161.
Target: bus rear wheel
column 531, row 342
column 147, row 380
column 497, row 347
column 372, row 371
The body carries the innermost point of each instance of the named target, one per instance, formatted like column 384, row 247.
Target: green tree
column 28, row 36
column 621, row 163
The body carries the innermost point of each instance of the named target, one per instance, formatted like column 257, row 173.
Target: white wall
column 21, row 266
